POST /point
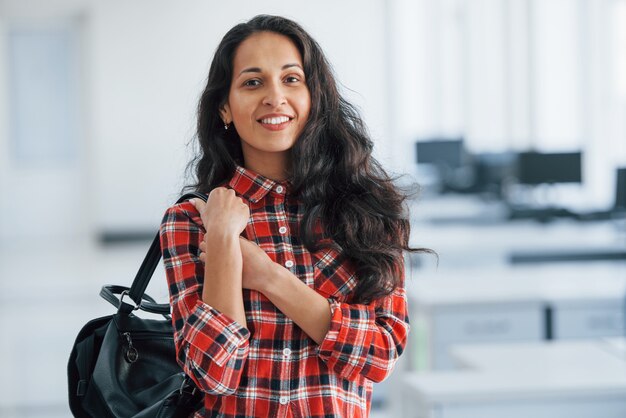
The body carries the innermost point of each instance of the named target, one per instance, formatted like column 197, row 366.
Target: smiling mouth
column 275, row 123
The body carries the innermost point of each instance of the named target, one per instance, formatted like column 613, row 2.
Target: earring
column 225, row 126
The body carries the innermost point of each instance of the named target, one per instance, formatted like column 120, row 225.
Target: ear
column 226, row 114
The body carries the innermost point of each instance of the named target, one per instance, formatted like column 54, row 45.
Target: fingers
column 197, row 203
column 221, row 191
column 202, row 254
column 225, row 198
column 224, row 211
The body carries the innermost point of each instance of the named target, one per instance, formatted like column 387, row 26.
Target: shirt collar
column 255, row 187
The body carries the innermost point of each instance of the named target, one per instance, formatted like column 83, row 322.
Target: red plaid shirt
column 273, row 369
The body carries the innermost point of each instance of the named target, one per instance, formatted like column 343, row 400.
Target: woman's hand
column 223, row 213
column 258, row 267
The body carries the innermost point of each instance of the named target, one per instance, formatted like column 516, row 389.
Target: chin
column 278, row 146
column 270, row 144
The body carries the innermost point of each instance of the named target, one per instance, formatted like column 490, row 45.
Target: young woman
column 287, row 286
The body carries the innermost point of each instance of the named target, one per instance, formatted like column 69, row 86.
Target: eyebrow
column 258, row 70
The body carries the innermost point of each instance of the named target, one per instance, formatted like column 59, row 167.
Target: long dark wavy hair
column 342, row 187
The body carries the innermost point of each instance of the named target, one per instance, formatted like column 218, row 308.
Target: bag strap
column 150, row 262
column 148, row 304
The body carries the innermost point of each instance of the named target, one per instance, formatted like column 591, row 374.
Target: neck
column 274, row 165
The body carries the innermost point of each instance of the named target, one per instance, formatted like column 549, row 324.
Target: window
column 42, row 96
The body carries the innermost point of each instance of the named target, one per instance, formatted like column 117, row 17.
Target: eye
column 292, row 79
column 253, row 82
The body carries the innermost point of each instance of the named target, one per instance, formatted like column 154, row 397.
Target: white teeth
column 275, row 121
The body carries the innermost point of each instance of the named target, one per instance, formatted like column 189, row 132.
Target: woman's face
column 269, row 101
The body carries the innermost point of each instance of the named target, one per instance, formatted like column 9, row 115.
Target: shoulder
column 179, row 215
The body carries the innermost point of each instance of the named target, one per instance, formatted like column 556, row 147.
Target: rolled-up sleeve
column 210, row 347
column 366, row 339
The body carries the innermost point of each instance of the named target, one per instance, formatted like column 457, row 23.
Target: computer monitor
column 538, row 168
column 492, row 170
column 442, row 152
column 620, row 190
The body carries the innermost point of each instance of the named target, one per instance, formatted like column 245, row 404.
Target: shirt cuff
column 212, row 334
column 346, row 344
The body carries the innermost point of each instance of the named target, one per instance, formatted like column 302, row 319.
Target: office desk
column 511, row 304
column 538, row 380
column 494, row 241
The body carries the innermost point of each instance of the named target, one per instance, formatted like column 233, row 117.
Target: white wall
column 149, row 62
column 145, row 65
column 42, row 193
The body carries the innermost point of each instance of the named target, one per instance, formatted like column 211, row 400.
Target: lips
column 275, row 122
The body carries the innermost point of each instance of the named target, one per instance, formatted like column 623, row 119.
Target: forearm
column 303, row 305
column 366, row 339
column 210, row 346
column 222, row 277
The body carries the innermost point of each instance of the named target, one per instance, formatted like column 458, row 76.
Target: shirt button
column 283, row 400
column 282, row 229
column 289, row 264
column 286, row 352
column 279, row 189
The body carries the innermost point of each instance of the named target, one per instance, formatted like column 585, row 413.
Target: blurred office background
column 510, row 114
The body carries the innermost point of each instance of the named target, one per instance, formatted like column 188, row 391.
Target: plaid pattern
column 273, row 369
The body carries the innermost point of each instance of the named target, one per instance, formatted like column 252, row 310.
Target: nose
column 275, row 95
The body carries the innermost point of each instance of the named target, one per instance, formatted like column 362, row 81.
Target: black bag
column 125, row 366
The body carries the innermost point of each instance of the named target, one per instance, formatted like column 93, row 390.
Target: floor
column 47, row 293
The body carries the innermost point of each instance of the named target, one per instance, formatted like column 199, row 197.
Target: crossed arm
column 212, row 338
